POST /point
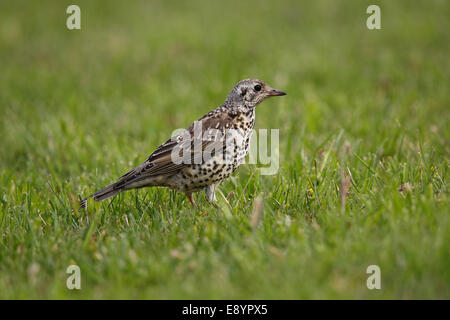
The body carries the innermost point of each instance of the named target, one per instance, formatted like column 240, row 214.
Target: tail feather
column 106, row 193
column 103, row 194
column 123, row 184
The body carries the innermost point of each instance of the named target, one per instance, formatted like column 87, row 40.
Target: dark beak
column 275, row 92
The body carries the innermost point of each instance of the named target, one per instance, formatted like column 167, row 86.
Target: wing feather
column 160, row 162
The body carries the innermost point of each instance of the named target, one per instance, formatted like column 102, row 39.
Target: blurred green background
column 367, row 107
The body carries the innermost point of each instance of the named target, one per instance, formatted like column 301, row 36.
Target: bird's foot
column 189, row 195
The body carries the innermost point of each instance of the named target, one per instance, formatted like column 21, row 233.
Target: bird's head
column 250, row 92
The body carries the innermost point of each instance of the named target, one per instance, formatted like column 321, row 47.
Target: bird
column 204, row 154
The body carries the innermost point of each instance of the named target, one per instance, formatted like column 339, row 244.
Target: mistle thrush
column 206, row 153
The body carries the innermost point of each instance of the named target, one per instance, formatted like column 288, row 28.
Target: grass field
column 367, row 111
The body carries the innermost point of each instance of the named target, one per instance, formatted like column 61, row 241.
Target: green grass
column 80, row 108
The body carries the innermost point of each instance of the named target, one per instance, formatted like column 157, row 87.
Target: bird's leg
column 189, row 195
column 210, row 193
column 230, row 195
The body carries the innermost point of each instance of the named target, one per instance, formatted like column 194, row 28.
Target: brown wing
column 160, row 162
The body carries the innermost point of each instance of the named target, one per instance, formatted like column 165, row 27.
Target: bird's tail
column 106, row 193
column 103, row 194
column 122, row 184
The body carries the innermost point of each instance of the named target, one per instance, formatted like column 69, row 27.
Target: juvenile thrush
column 206, row 153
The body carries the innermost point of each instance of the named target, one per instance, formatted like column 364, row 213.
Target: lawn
column 363, row 150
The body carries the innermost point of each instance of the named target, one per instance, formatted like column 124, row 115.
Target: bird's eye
column 257, row 87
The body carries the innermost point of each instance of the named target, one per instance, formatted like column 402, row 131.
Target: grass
column 366, row 112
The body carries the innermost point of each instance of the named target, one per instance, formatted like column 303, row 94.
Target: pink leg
column 189, row 195
column 230, row 195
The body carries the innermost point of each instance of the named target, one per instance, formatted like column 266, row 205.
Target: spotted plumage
column 206, row 153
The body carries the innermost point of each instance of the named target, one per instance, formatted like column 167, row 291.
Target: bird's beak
column 271, row 92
